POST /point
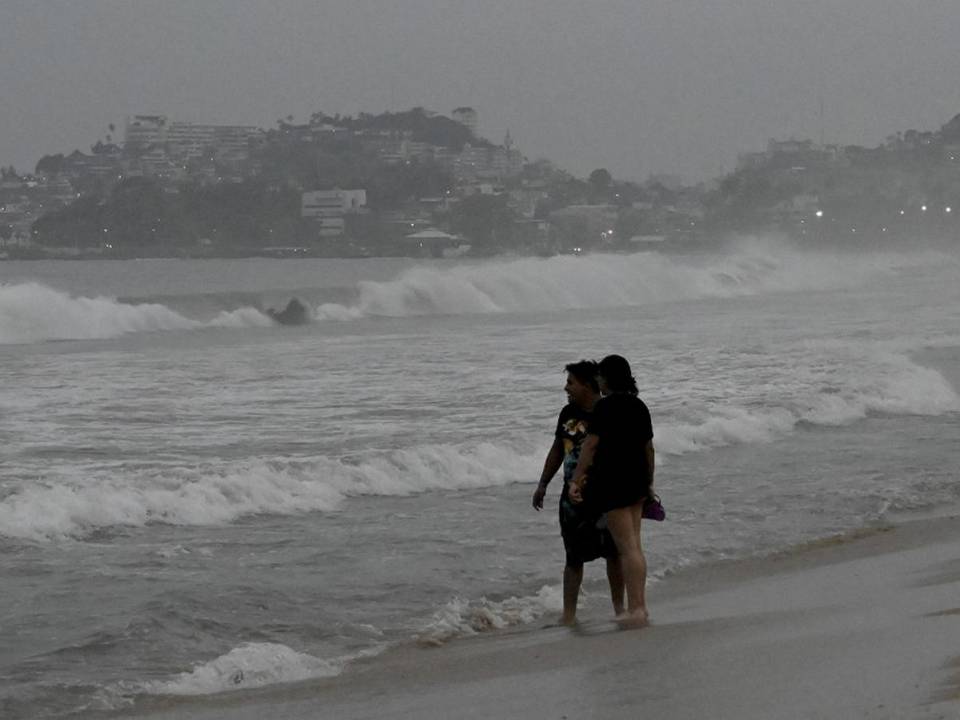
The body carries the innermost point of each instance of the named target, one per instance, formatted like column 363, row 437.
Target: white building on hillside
column 319, row 203
column 145, row 130
column 328, row 208
column 466, row 116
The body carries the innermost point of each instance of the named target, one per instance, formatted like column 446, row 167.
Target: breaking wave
column 887, row 383
column 839, row 393
column 596, row 281
column 215, row 495
column 31, row 312
column 75, row 507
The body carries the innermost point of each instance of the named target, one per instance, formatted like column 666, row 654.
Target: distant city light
column 923, row 208
column 902, row 212
column 948, row 209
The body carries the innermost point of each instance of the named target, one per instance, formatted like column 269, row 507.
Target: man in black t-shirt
column 583, row 541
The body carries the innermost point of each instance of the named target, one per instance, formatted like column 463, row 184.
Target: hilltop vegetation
column 417, row 170
column 907, row 186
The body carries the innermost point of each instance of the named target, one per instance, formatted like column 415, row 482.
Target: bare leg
column 624, row 524
column 572, row 579
column 615, row 578
column 636, row 512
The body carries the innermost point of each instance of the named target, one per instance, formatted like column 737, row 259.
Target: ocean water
column 195, row 500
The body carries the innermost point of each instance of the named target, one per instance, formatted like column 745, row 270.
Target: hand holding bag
column 653, row 509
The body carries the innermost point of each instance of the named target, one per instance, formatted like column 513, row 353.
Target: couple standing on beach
column 604, row 442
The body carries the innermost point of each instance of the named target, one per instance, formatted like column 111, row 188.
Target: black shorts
column 583, row 541
column 618, row 494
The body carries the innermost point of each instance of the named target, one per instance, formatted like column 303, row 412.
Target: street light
column 819, row 213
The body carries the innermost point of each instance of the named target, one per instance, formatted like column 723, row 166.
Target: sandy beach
column 863, row 626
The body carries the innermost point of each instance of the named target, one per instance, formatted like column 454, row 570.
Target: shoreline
column 717, row 243
column 857, row 626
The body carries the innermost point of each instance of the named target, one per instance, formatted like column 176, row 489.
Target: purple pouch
column 653, row 509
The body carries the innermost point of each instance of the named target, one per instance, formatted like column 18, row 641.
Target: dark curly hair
column 585, row 372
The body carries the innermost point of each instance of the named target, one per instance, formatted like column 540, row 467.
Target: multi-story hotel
column 188, row 140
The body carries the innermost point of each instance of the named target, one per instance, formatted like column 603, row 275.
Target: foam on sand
column 460, row 617
column 248, row 666
column 861, row 628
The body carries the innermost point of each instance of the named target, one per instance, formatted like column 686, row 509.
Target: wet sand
column 864, row 626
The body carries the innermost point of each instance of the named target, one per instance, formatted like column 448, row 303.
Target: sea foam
column 247, row 666
column 216, row 495
column 462, row 617
column 869, row 382
column 31, row 312
column 752, row 266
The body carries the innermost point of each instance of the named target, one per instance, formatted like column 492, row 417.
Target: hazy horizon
column 667, row 87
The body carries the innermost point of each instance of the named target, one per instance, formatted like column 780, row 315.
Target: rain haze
column 315, row 404
column 638, row 88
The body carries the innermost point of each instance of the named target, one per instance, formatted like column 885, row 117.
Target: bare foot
column 635, row 619
column 563, row 621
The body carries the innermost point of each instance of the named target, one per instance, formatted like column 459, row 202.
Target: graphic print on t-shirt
column 572, row 428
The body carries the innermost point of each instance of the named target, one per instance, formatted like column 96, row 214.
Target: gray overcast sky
column 637, row 86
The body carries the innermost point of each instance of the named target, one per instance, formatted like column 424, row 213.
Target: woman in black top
column 617, row 457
